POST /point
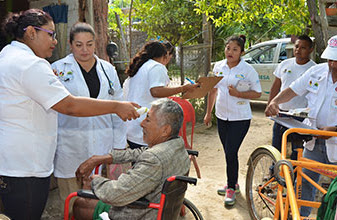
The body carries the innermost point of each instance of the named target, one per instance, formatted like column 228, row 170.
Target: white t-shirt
column 137, row 89
column 288, row 71
column 244, row 78
column 28, row 125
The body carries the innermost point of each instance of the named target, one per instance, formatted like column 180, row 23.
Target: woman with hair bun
column 240, row 83
column 30, row 97
column 148, row 81
column 85, row 74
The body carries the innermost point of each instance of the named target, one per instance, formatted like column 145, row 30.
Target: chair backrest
column 189, row 116
column 173, row 193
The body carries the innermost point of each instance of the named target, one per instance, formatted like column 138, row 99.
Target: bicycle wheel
column 260, row 178
column 191, row 211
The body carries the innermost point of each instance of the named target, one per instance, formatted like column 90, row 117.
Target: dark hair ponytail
column 241, row 40
column 150, row 50
column 15, row 23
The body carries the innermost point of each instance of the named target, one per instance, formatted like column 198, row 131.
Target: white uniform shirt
column 137, row 89
column 244, row 78
column 288, row 71
column 316, row 84
column 82, row 137
column 28, row 125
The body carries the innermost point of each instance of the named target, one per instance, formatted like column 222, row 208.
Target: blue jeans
column 24, row 198
column 308, row 190
column 231, row 134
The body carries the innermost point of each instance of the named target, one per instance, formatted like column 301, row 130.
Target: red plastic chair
column 189, row 116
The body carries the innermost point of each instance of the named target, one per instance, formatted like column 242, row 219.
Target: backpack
column 327, row 209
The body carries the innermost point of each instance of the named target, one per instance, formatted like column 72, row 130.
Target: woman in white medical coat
column 84, row 74
column 30, row 97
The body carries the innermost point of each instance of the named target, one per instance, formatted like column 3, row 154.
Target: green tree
column 173, row 20
column 115, row 8
column 259, row 18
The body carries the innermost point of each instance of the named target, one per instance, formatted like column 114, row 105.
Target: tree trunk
column 319, row 31
column 100, row 10
column 130, row 30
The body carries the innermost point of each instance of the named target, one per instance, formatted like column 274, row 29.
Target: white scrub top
column 288, row 71
column 82, row 137
column 316, row 84
column 137, row 89
column 244, row 78
column 28, row 125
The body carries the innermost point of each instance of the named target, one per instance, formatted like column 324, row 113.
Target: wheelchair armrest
column 85, row 193
column 140, row 203
column 192, row 152
column 186, row 179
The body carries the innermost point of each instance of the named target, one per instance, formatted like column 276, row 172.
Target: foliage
column 172, row 20
column 115, row 8
column 259, row 18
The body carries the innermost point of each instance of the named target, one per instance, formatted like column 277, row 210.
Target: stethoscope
column 111, row 90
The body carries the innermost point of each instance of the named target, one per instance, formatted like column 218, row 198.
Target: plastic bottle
column 142, row 110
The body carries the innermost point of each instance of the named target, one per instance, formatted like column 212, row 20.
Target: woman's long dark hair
column 150, row 50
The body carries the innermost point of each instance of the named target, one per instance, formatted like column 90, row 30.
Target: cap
column 330, row 51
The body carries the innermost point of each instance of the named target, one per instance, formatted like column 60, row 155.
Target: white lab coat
column 313, row 84
column 81, row 137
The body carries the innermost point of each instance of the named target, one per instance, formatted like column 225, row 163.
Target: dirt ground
column 212, row 164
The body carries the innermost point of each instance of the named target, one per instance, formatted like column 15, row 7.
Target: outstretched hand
column 188, row 87
column 127, row 111
column 272, row 109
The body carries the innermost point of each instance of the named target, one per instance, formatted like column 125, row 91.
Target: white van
column 265, row 57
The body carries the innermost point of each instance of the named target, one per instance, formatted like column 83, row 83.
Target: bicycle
column 270, row 179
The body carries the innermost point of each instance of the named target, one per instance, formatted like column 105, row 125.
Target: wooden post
column 207, row 36
column 130, row 30
column 181, row 55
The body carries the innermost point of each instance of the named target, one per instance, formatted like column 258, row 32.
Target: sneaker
column 230, row 197
column 222, row 192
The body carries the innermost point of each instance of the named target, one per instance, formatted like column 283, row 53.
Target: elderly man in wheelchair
column 165, row 156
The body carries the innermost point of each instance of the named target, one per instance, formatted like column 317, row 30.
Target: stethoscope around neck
column 111, row 90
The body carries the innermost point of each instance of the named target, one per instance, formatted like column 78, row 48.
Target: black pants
column 24, row 198
column 231, row 135
column 134, row 145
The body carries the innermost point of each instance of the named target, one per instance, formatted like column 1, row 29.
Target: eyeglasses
column 51, row 33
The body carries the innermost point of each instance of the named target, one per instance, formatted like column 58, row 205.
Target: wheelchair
column 172, row 199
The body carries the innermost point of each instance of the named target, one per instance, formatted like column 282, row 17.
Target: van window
column 283, row 53
column 263, row 54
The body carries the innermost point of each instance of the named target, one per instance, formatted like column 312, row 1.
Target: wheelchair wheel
column 259, row 174
column 191, row 211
